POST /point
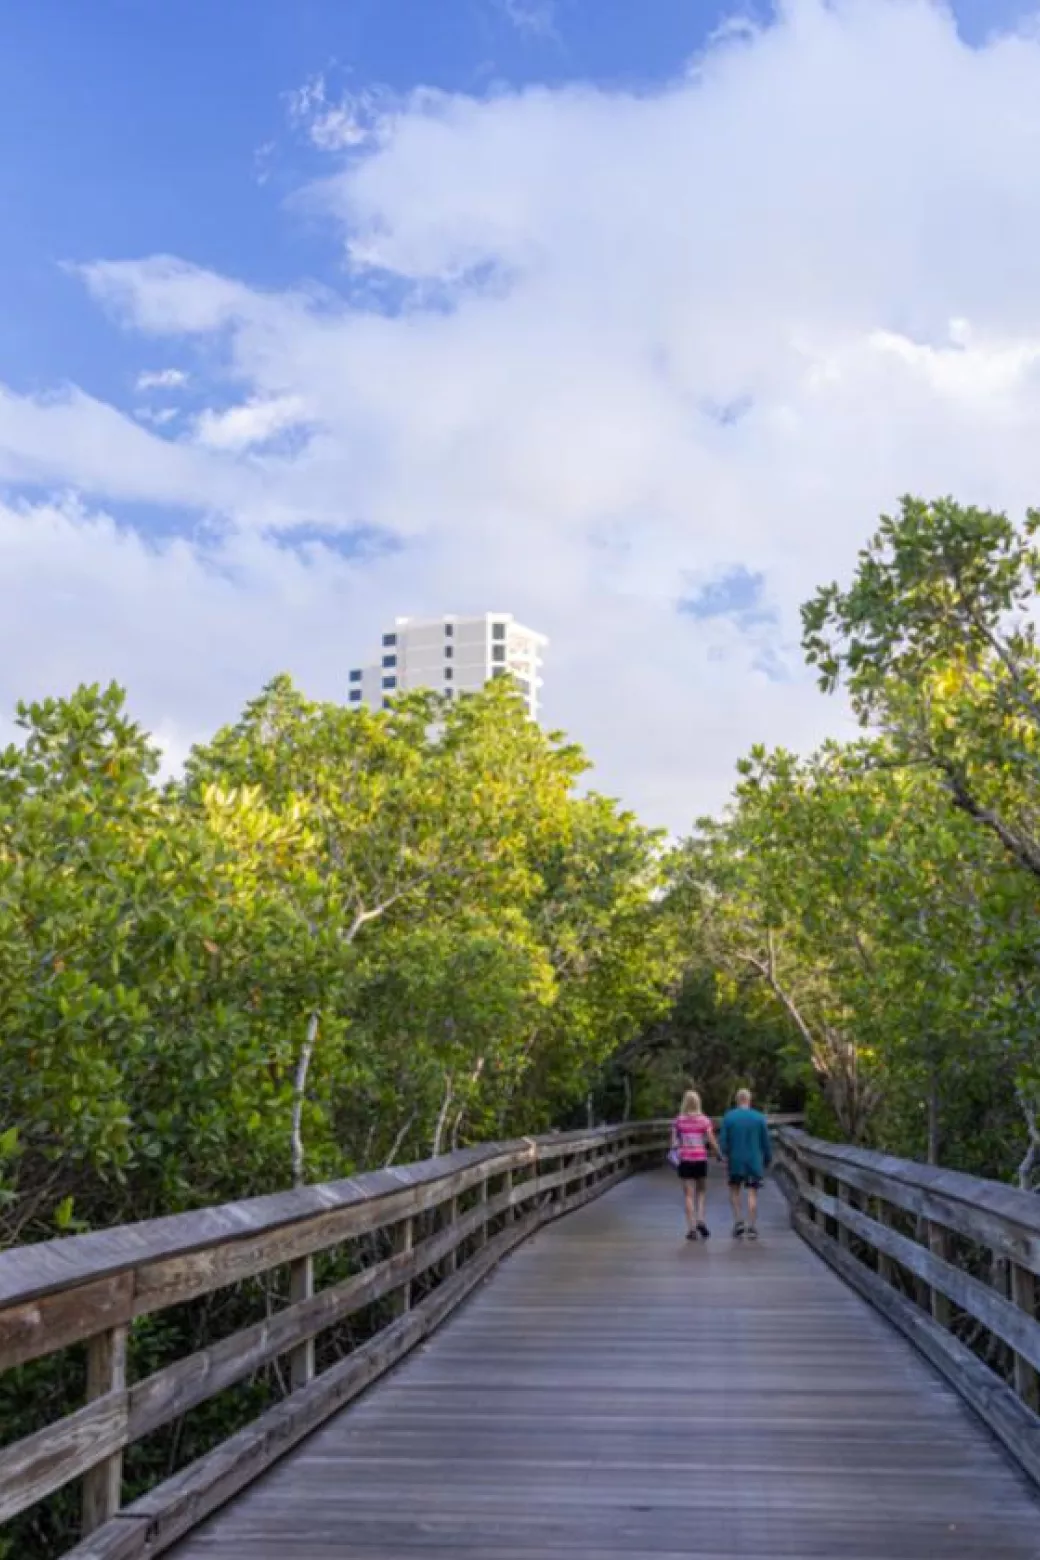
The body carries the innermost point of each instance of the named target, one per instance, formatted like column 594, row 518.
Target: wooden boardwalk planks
column 614, row 1391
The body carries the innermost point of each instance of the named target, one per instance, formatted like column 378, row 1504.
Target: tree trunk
column 395, row 1147
column 442, row 1119
column 1030, row 1165
column 303, row 1067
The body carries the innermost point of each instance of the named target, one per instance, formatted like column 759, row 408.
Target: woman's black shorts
column 693, row 1169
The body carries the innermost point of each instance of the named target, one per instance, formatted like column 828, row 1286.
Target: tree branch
column 299, row 1093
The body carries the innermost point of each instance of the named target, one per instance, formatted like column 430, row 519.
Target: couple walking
column 743, row 1142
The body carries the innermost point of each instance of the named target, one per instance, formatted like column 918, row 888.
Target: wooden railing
column 952, row 1260
column 447, row 1221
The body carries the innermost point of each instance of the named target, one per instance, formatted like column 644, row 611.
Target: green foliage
column 341, row 935
column 341, row 938
column 345, row 938
column 885, row 893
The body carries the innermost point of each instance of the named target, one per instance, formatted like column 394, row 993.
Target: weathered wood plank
column 176, row 1506
column 999, row 1217
column 30, row 1272
column 27, row 1272
column 301, row 1288
column 53, row 1322
column 106, row 1379
column 124, row 1538
column 403, row 1235
column 991, row 1399
column 998, row 1315
column 186, row 1383
column 180, row 1503
column 39, row 1464
column 170, row 1282
column 1027, row 1378
column 939, row 1246
column 615, row 1391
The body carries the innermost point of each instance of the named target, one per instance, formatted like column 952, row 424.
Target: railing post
column 507, row 1188
column 301, row 1287
column 1027, row 1379
column 813, row 1213
column 403, row 1243
column 885, row 1266
column 922, row 1288
column 452, row 1260
column 842, row 1195
column 939, row 1246
column 482, row 1197
column 106, row 1372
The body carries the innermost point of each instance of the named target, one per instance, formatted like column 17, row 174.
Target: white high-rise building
column 451, row 655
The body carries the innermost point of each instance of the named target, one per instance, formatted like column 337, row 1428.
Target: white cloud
column 339, row 124
column 637, row 340
column 534, row 17
column 157, row 416
column 252, row 423
column 162, row 379
column 72, row 439
column 192, row 626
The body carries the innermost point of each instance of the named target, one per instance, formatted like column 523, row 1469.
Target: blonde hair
column 691, row 1103
column 744, row 1097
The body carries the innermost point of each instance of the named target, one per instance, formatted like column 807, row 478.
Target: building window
column 449, row 652
column 499, row 671
column 448, row 674
column 449, row 630
column 355, row 695
column 390, row 682
column 498, row 652
column 498, row 631
column 386, row 704
column 355, row 676
column 390, row 660
column 389, row 640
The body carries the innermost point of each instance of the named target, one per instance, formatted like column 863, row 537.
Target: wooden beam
column 106, row 1379
column 301, row 1288
column 402, row 1238
column 992, row 1399
column 939, row 1246
column 1024, row 1295
column 69, row 1316
column 993, row 1215
column 997, row 1315
column 39, row 1464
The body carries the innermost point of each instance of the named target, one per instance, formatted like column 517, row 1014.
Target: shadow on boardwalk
column 615, row 1391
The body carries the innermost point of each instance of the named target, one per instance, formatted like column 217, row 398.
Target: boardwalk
column 613, row 1391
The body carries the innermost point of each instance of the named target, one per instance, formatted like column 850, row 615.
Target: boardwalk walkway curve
column 611, row 1389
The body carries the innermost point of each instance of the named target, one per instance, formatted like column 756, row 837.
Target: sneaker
column 703, row 1231
column 752, row 1233
column 691, row 1234
column 738, row 1229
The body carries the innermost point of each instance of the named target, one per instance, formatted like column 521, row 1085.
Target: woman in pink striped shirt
column 692, row 1136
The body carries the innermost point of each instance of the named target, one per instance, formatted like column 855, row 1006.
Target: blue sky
column 588, row 254
column 134, row 127
column 140, row 126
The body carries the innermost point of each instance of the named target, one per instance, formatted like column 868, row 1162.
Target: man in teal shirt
column 745, row 1145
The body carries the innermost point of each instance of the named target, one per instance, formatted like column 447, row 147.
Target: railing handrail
column 951, row 1259
column 449, row 1220
column 31, row 1271
column 1006, row 1202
